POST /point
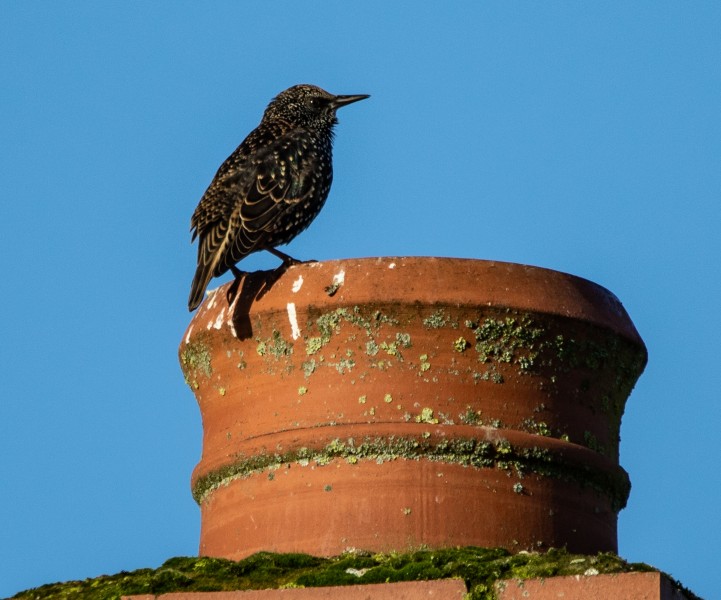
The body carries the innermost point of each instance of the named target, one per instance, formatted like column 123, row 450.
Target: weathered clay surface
column 390, row 403
column 329, row 509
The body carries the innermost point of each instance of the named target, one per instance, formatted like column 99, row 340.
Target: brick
column 629, row 586
column 442, row 589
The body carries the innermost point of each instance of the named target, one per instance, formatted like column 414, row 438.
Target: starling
column 271, row 187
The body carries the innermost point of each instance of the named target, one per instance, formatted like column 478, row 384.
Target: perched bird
column 271, row 187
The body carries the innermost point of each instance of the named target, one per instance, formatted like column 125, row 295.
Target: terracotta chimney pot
column 390, row 403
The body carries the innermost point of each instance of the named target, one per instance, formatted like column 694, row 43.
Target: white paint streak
column 392, row 266
column 297, row 284
column 339, row 278
column 231, row 312
column 211, row 304
column 219, row 319
column 295, row 330
column 187, row 336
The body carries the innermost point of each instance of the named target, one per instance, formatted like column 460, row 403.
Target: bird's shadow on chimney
column 244, row 291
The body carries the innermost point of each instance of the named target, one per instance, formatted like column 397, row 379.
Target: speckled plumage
column 271, row 187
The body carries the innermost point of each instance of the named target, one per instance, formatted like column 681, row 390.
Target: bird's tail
column 203, row 275
column 217, row 252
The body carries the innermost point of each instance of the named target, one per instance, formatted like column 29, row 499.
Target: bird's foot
column 288, row 261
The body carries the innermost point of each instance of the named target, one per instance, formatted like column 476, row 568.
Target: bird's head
column 307, row 105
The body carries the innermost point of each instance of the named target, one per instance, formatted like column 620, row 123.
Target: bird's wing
column 243, row 203
column 283, row 176
column 279, row 177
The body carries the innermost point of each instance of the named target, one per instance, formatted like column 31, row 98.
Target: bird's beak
column 339, row 101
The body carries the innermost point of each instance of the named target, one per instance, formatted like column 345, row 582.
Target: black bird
column 271, row 187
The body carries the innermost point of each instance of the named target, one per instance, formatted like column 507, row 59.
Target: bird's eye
column 313, row 102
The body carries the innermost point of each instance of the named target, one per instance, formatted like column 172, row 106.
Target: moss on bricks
column 479, row 568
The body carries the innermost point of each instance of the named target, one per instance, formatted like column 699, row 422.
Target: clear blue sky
column 583, row 137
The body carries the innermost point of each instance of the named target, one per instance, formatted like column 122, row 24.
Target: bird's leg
column 288, row 261
column 234, row 287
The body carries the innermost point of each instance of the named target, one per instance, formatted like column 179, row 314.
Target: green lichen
column 404, row 339
column 426, row 416
column 537, row 427
column 343, row 365
column 309, row 367
column 389, row 347
column 591, row 441
column 479, row 568
column 329, row 324
column 195, row 359
column 469, row 452
column 460, row 344
column 437, row 320
column 335, row 447
column 392, row 349
column 504, row 448
column 274, row 346
column 489, row 374
column 597, row 362
column 588, row 364
column 313, row 345
column 332, row 288
column 508, row 340
column 472, row 417
column 609, row 353
column 196, row 356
